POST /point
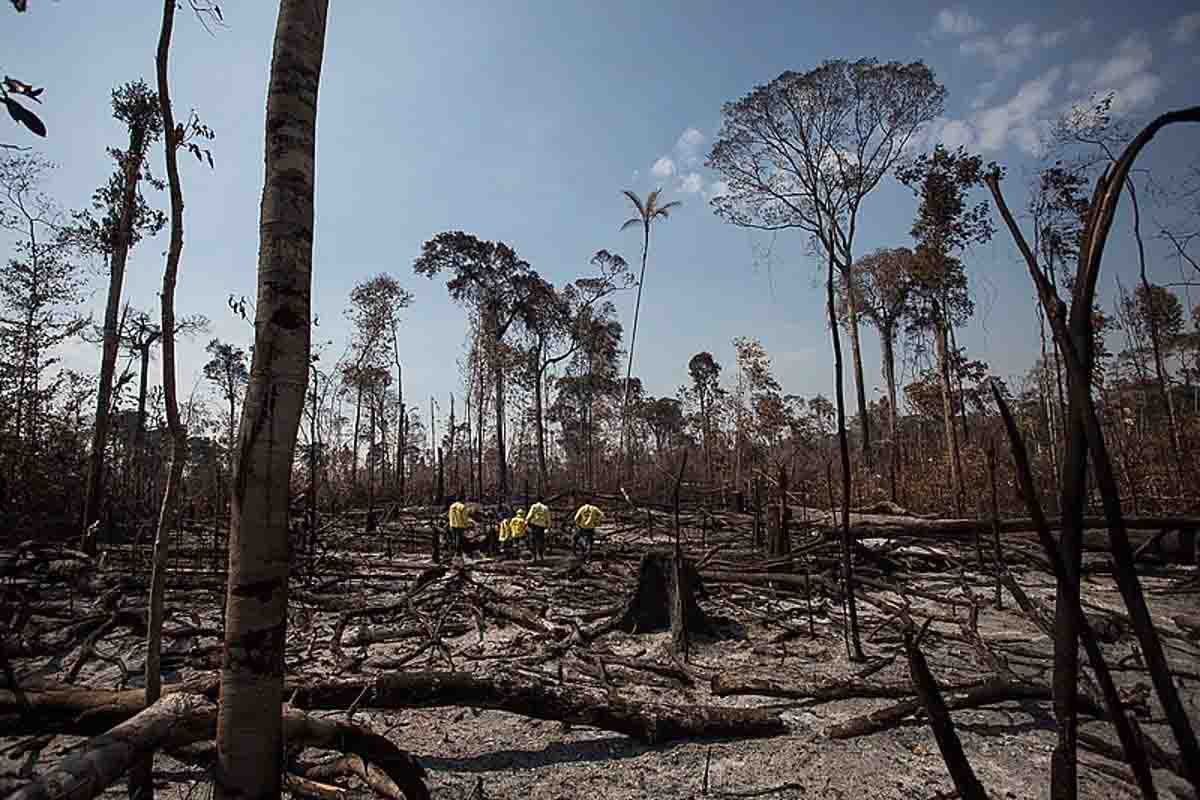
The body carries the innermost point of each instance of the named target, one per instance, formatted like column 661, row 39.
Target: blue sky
column 524, row 121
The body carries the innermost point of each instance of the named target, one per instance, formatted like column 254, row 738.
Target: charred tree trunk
column 141, row 785
column 853, row 645
column 249, row 731
column 887, row 341
column 952, row 453
column 856, row 357
column 357, row 422
column 540, row 428
column 665, row 598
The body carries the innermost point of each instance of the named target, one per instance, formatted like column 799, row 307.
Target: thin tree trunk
column 357, row 423
column 856, row 354
column 141, row 784
column 313, row 455
column 451, row 435
column 952, row 454
column 108, row 359
column 479, row 432
column 501, row 455
column 540, row 428
column 854, row 645
column 249, row 731
column 637, row 307
column 887, row 341
column 139, row 430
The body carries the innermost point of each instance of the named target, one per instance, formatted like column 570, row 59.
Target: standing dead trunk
column 540, row 422
column 856, row 356
column 887, row 336
column 371, row 454
column 141, row 785
column 122, row 236
column 854, row 645
column 249, row 732
column 357, row 423
column 501, row 455
column 139, row 430
column 951, row 431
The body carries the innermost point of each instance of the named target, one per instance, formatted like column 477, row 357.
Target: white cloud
column 1137, row 93
column 688, row 145
column 956, row 133
column 636, row 174
column 1126, row 75
column 956, row 22
column 691, row 183
column 663, row 168
column 1019, row 121
column 1184, row 29
column 1021, row 36
column 1014, row 48
column 1133, row 55
column 1018, row 118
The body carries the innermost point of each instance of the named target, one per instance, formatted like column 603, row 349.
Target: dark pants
column 537, row 541
column 455, row 541
column 588, row 536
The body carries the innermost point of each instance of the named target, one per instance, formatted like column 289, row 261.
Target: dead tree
column 665, row 598
column 1076, row 338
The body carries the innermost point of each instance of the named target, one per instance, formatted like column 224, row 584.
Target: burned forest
column 848, row 449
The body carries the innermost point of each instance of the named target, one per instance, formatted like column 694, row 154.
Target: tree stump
column 666, row 597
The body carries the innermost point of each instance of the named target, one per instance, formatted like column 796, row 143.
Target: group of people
column 531, row 528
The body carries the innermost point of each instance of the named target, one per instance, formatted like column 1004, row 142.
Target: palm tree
column 647, row 213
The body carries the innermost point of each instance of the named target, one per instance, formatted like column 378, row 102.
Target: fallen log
column 989, row 693
column 820, row 688
column 83, row 711
column 180, row 719
column 175, row 718
column 648, row 722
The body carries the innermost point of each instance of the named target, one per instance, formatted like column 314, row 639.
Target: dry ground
column 759, row 632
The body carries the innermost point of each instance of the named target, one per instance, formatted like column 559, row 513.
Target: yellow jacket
column 539, row 515
column 588, row 517
column 505, row 530
column 516, row 527
column 458, row 517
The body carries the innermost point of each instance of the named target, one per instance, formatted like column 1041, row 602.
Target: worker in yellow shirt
column 460, row 521
column 504, row 532
column 516, row 529
column 539, row 521
column 586, row 520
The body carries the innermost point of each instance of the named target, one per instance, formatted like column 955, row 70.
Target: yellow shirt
column 505, row 531
column 458, row 517
column 516, row 527
column 539, row 515
column 588, row 517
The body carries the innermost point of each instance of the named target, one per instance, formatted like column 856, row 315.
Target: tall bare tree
column 804, row 151
column 141, row 785
column 127, row 218
column 249, row 724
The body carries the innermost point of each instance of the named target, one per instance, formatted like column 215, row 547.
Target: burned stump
column 665, row 597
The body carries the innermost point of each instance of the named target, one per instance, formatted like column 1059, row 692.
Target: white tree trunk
column 249, row 733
